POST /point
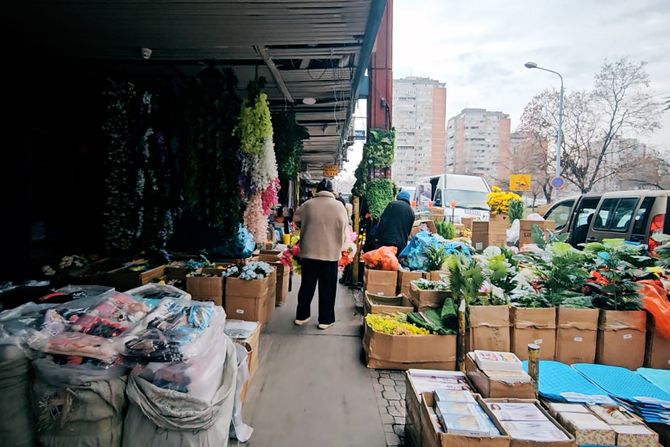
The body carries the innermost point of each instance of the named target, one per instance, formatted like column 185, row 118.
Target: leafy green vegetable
column 465, row 278
column 445, row 229
column 435, row 256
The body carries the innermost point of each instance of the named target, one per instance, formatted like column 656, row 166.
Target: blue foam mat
column 658, row 377
column 651, row 402
column 561, row 383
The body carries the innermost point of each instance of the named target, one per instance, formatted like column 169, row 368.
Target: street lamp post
column 559, row 136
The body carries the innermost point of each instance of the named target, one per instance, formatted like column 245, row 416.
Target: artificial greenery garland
column 378, row 194
column 255, row 125
column 378, row 153
column 288, row 139
column 120, row 219
column 212, row 164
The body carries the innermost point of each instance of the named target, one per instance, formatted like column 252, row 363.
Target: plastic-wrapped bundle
column 413, row 256
column 78, row 405
column 168, row 418
column 89, row 327
column 155, row 291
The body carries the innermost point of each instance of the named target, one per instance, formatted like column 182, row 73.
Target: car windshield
column 466, row 199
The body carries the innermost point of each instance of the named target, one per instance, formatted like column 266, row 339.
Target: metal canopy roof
column 304, row 49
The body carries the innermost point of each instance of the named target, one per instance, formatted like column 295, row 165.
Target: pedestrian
column 341, row 199
column 323, row 230
column 396, row 223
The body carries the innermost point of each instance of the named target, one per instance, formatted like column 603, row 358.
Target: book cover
column 534, row 431
column 456, row 408
column 497, row 361
column 454, row 396
column 517, row 411
column 463, row 424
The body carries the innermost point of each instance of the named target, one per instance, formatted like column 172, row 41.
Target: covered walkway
column 312, row 389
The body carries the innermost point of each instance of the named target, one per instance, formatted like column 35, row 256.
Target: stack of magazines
column 524, row 420
column 460, row 413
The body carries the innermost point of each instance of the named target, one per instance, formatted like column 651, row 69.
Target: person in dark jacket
column 396, row 223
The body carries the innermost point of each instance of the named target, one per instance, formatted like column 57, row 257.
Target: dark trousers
column 325, row 274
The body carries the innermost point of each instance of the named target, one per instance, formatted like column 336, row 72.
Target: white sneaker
column 323, row 327
column 302, row 322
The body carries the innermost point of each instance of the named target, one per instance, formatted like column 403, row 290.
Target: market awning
column 304, row 49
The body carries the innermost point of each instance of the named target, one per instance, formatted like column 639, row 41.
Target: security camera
column 146, row 53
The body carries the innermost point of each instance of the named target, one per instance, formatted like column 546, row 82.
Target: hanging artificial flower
column 270, row 197
column 255, row 219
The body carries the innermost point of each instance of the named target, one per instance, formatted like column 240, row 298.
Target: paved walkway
column 312, row 389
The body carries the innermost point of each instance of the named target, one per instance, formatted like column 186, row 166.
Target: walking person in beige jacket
column 323, row 227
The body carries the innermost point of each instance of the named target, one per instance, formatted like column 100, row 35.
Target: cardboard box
column 270, row 256
column 426, row 299
column 635, row 436
column 427, row 381
column 569, row 442
column 436, row 275
column 488, row 328
column 480, row 235
column 177, row 271
column 498, row 225
column 526, row 235
column 206, row 288
column 658, row 347
column 587, row 429
column 380, row 282
column 621, row 338
column 576, row 335
column 381, row 304
column 434, row 435
column 554, row 408
column 271, row 299
column 466, row 221
column 533, row 326
column 495, row 384
column 124, row 279
column 252, row 344
column 404, row 280
column 403, row 352
column 256, row 288
column 216, row 269
column 419, row 224
column 437, row 214
column 283, row 278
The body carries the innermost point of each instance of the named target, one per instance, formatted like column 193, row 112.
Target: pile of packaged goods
column 153, row 351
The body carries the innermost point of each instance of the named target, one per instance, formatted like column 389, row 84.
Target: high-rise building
column 478, row 143
column 419, row 117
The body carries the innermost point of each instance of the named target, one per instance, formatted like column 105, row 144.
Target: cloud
column 479, row 47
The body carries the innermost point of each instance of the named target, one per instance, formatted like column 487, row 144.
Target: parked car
column 631, row 215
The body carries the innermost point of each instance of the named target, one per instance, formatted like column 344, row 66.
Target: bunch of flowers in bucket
column 499, row 200
column 348, row 251
column 291, row 256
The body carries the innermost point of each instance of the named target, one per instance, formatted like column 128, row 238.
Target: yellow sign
column 330, row 170
column 519, row 182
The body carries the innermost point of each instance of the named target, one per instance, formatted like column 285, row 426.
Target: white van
column 467, row 194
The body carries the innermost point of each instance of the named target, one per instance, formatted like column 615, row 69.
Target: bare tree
column 530, row 156
column 593, row 121
column 648, row 171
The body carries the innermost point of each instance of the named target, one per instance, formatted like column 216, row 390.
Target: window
column 585, row 209
column 616, row 214
column 438, row 198
column 560, row 213
column 642, row 216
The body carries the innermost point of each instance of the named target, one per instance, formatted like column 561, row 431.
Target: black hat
column 325, row 185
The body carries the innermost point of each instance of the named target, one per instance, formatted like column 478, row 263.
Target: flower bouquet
column 291, row 256
column 349, row 250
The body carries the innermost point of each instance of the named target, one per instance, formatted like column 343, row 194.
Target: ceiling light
column 309, row 101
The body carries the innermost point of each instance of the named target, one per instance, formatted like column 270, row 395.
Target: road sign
column 519, row 182
column 557, row 182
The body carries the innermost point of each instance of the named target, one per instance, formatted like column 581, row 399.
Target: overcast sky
column 478, row 47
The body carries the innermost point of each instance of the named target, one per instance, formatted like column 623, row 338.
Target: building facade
column 478, row 143
column 419, row 117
